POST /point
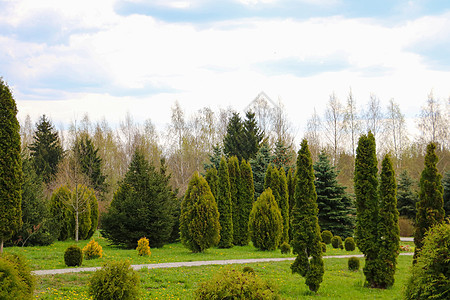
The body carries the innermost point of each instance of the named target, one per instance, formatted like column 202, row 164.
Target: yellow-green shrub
column 143, row 247
column 92, row 250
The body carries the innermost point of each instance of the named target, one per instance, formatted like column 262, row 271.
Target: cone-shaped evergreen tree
column 214, row 158
column 284, row 205
column 430, row 208
column 235, row 191
column 233, row 142
column 388, row 229
column 272, row 181
column 247, row 196
column 265, row 224
column 282, row 156
column 333, row 202
column 199, row 220
column 306, row 231
column 224, row 206
column 446, row 196
column 252, row 136
column 291, row 190
column 212, row 179
column 259, row 167
column 10, row 167
column 406, row 197
column 367, row 206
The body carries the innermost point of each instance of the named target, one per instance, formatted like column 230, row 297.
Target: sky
column 107, row 58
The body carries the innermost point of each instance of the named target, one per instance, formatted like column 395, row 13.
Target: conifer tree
column 284, row 205
column 272, row 181
column 282, row 155
column 306, row 231
column 10, row 167
column 224, row 206
column 252, row 136
column 234, row 139
column 199, row 219
column 235, row 191
column 333, row 202
column 430, row 208
column 214, row 158
column 291, row 190
column 259, row 167
column 406, row 196
column 212, row 179
column 247, row 197
column 388, row 229
column 46, row 150
column 446, row 196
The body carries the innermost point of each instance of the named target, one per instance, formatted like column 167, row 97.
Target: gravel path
column 189, row 264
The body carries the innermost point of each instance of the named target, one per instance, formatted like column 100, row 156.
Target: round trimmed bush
column 248, row 269
column 285, row 248
column 92, row 250
column 232, row 284
column 16, row 281
column 143, row 247
column 327, row 236
column 115, row 280
column 336, row 242
column 353, row 263
column 73, row 256
column 349, row 244
column 324, row 247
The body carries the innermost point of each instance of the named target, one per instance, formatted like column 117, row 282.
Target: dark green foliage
column 10, row 167
column 349, row 244
column 214, row 158
column 446, row 196
column 406, row 196
column 16, row 280
column 252, row 136
column 234, row 138
column 335, row 207
column 327, row 236
column 388, row 229
column 248, row 269
column 115, row 280
column 324, row 247
column 285, row 248
column 282, row 156
column 213, row 180
column 430, row 277
column 143, row 205
column 265, row 224
column 272, row 181
column 367, row 206
column 291, row 182
column 232, row 284
column 430, row 208
column 284, row 204
column 94, row 213
column 90, row 162
column 336, row 242
column 306, row 231
column 73, row 256
column 246, row 198
column 234, row 172
column 224, row 206
column 60, row 213
column 259, row 167
column 199, row 220
column 46, row 150
column 353, row 264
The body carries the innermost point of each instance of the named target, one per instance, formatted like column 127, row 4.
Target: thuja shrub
column 16, row 280
column 115, row 280
column 327, row 236
column 324, row 247
column 232, row 284
column 336, row 242
column 143, row 247
column 349, row 244
column 353, row 263
column 73, row 256
column 92, row 250
column 285, row 248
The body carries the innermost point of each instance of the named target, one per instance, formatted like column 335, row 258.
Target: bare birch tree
column 433, row 124
column 352, row 122
column 334, row 126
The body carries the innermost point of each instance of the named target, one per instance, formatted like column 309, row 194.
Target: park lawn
column 180, row 283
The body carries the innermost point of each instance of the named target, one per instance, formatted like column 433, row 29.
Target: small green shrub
column 93, row 250
column 115, row 280
column 327, row 236
column 324, row 247
column 353, row 263
column 336, row 242
column 143, row 247
column 73, row 256
column 349, row 244
column 16, row 281
column 248, row 269
column 232, row 284
column 285, row 248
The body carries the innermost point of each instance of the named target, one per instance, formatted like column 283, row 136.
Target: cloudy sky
column 104, row 57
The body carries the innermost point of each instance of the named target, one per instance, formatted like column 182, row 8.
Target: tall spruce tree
column 388, row 229
column 306, row 231
column 234, row 139
column 430, row 208
column 335, row 207
column 224, row 206
column 284, row 205
column 199, row 219
column 214, row 158
column 10, row 167
column 247, row 196
column 446, row 196
column 46, row 150
column 406, row 196
column 259, row 168
column 235, row 191
column 252, row 136
column 282, row 156
column 212, row 179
